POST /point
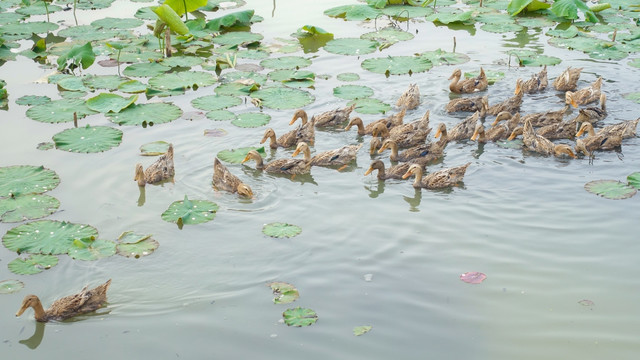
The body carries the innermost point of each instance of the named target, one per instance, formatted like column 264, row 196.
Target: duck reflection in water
column 414, row 202
column 35, row 339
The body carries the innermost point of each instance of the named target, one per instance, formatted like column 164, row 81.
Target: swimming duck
column 284, row 166
column 568, row 80
column 394, row 172
column 161, row 169
column 512, row 121
column 600, row 141
column 306, row 131
column 626, row 129
column 69, row 306
column 542, row 145
column 538, row 82
column 593, row 113
column 546, row 118
column 511, row 105
column 469, row 104
column 334, row 117
column 341, row 156
column 495, row 133
column 408, row 154
column 475, row 84
column 437, row 180
column 374, row 145
column 410, row 99
column 585, row 95
column 561, row 130
column 464, row 129
column 223, row 179
column 390, row 121
column 405, row 135
column 287, row 140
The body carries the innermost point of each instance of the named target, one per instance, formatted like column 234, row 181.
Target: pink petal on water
column 215, row 132
column 473, row 277
column 586, row 302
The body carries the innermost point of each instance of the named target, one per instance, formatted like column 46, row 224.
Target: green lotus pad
column 190, row 211
column 107, row 102
column 351, row 46
column 106, row 82
column 72, row 84
column 45, row 145
column 31, row 100
column 283, row 97
column 89, row 249
column 26, row 179
column 440, row 57
column 370, row 106
column 215, row 102
column 634, row 180
column 361, row 330
column 182, row 61
column 147, row 69
column 10, row 286
column 408, row 11
column 220, row 115
column 279, row 230
column 299, row 317
column 285, row 293
column 243, row 75
column 88, row 139
column 57, row 111
column 351, row 92
column 27, row 207
column 235, row 89
column 132, row 87
column 235, row 156
column 38, row 8
column 154, row 148
column 397, row 65
column 610, row 189
column 142, row 114
column 117, row 23
column 285, row 62
column 46, row 237
column 237, row 38
column 353, row 12
column 33, row 264
column 251, row 120
column 389, row 35
column 348, row 77
column 185, row 79
column 135, row 245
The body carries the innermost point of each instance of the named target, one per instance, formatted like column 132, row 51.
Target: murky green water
column 524, row 220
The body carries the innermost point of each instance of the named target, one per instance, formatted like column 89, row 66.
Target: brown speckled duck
column 437, row 180
column 306, row 131
column 568, row 80
column 162, row 169
column 394, row 172
column 337, row 157
column 410, row 99
column 626, row 129
column 542, row 145
column 464, row 129
column 585, row 95
column 468, row 104
column 284, row 166
column 597, row 141
column 405, row 135
column 286, row 140
column 537, row 83
column 546, row 118
column 223, row 179
column 389, row 122
column 459, row 85
column 593, row 114
column 511, row 105
column 336, row 117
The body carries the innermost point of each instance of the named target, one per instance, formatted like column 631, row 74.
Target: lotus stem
column 118, row 61
column 613, row 37
column 273, row 12
column 185, row 10
column 480, row 3
column 454, row 44
column 75, row 119
column 167, row 42
column 46, row 9
column 75, row 2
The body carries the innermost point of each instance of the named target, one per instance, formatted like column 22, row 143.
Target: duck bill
column 383, row 148
column 369, row 170
column 295, row 153
column 293, row 120
column 406, row 175
column 474, row 136
column 22, row 309
column 246, row 158
column 518, row 88
column 438, row 133
column 512, row 136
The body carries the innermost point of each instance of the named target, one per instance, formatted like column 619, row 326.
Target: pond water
column 370, row 253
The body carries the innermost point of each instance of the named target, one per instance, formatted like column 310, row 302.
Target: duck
column 561, row 130
column 626, row 129
column 284, row 166
column 600, row 141
column 335, row 117
column 162, row 169
column 410, row 99
column 593, row 114
column 542, row 145
column 374, row 145
column 440, row 179
column 475, row 84
column 495, row 133
column 408, row 154
column 394, row 172
column 537, row 83
column 405, row 135
column 338, row 157
column 306, row 131
column 287, row 140
column 464, row 129
column 568, row 80
column 546, row 118
column 585, row 95
column 86, row 301
column 223, row 179
column 390, row 121
column 511, row 105
column 468, row 104
column 512, row 121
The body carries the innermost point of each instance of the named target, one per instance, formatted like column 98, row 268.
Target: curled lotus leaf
column 26, row 179
column 285, row 293
column 57, row 111
column 88, row 139
column 10, row 286
column 299, row 317
column 190, row 211
column 634, row 180
column 46, row 236
column 610, row 189
column 280, row 230
column 142, row 114
column 33, row 264
column 283, row 97
column 143, row 247
column 27, row 207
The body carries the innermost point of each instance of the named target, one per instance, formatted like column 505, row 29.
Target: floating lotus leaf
column 10, row 286
column 635, row 63
column 215, row 102
column 235, row 156
column 93, row 4
column 633, row 97
column 285, row 293
column 285, row 62
column 407, row 11
column 26, row 179
column 117, row 23
column 147, row 69
column 10, row 18
column 87, row 33
column 141, row 114
column 88, row 139
column 283, row 98
column 571, row 31
column 351, row 46
column 151, row 92
column 251, row 120
column 106, row 102
column 581, row 43
column 45, row 146
column 73, row 94
column 252, row 54
column 107, row 82
column 89, row 249
column 144, row 246
column 397, row 65
column 57, row 111
column 348, row 77
column 351, row 92
column 539, row 60
column 132, row 87
column 535, row 22
column 129, row 237
column 243, row 75
column 473, row 277
column 502, row 28
column 494, row 18
column 517, row 6
column 279, row 230
column 568, row 9
column 291, row 75
column 492, row 76
column 361, row 330
column 33, row 264
column 154, row 148
column 299, row 317
column 607, row 52
column 235, row 89
column 145, row 13
column 46, row 237
column 237, row 38
column 440, row 57
column 370, row 106
column 190, row 211
column 72, row 84
column 182, row 61
column 28, row 28
column 38, row 8
column 610, row 189
column 389, row 35
column 353, row 12
column 27, row 207
column 185, row 79
column 31, row 100
column 450, row 17
column 634, row 180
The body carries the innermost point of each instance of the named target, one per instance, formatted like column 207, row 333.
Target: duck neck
column 453, row 85
column 273, row 142
column 417, row 181
column 40, row 314
column 307, row 154
column 381, row 173
column 139, row 177
column 394, row 151
column 259, row 162
column 590, row 131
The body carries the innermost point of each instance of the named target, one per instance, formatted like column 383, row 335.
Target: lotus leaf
column 45, row 146
column 171, row 18
column 348, row 77
column 235, row 156
column 28, row 28
column 289, row 75
column 31, row 100
column 535, row 22
column 252, row 54
column 74, row 95
column 285, row 293
column 283, row 98
column 147, row 69
column 220, row 115
column 353, row 12
column 145, row 13
column 397, row 65
column 151, row 92
column 607, row 51
column 539, row 60
column 495, row 18
column 190, row 211
column 285, row 62
column 117, row 23
column 351, row 46
column 610, row 189
column 240, row 18
column 492, row 76
column 407, row 11
column 389, row 35
column 90, row 249
column 38, row 8
column 188, row 79
column 279, row 230
column 516, row 6
column 46, row 237
column 571, row 31
column 182, row 61
column 72, row 84
column 79, row 55
column 27, row 207
column 473, row 277
column 106, row 102
column 88, row 139
column 243, row 75
column 581, row 42
column 11, row 18
column 635, row 96
column 154, row 148
column 299, row 317
column 450, row 17
column 132, row 87
column 312, row 38
column 370, row 106
column 184, row 6
column 634, row 180
column 33, row 264
column 251, row 120
column 215, row 102
column 361, row 330
column 235, row 89
column 237, row 38
column 93, row 4
column 141, row 114
column 107, row 82
column 440, row 57
column 351, row 92
column 26, row 179
column 143, row 247
column 129, row 237
column 10, row 286
column 87, row 33
column 568, row 9
column 502, row 28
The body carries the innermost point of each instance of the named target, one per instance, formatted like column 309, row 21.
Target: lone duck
column 161, row 169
